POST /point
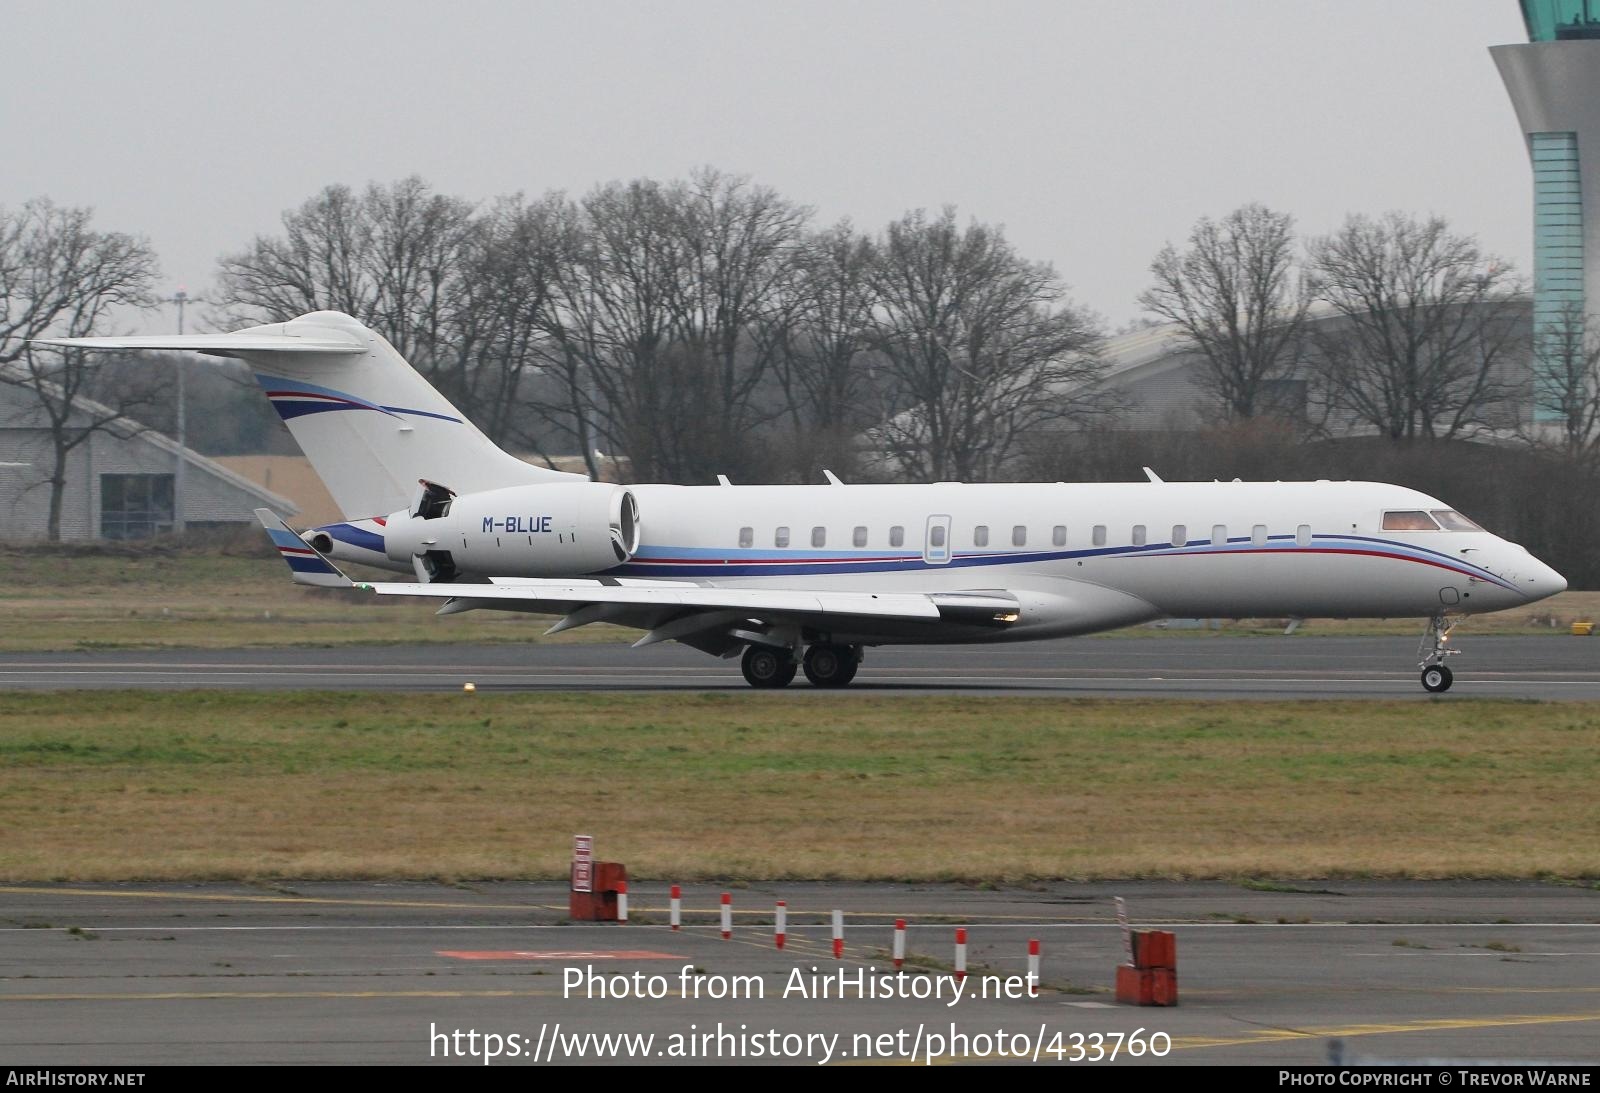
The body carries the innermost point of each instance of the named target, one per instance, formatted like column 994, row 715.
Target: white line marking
column 713, row 929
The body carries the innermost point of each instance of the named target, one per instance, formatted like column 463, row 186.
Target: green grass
column 105, row 786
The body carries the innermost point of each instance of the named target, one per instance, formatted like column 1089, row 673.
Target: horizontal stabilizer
column 308, row 566
column 253, row 342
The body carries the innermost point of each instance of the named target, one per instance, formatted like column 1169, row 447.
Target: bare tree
column 612, row 315
column 495, row 340
column 1237, row 298
column 824, row 367
column 667, row 314
column 740, row 243
column 61, row 278
column 979, row 346
column 1566, row 386
column 391, row 256
column 1423, row 329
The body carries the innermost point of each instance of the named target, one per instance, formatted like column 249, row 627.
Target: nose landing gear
column 1435, row 647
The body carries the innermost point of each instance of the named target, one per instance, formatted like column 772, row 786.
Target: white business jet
column 808, row 577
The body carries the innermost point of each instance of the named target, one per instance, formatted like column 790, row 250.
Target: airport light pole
column 183, row 300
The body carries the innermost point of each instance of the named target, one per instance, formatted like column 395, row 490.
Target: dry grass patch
column 61, row 599
column 136, row 785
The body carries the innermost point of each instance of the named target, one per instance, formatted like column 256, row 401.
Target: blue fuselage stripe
column 704, row 562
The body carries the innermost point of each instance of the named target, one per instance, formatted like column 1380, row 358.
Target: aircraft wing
column 707, row 617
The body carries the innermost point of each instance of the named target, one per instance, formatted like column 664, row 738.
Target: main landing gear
column 825, row 665
column 1435, row 646
column 768, row 666
column 831, row 665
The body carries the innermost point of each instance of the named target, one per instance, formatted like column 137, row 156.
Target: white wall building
column 120, row 481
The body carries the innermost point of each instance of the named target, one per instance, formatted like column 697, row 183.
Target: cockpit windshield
column 1432, row 520
column 1408, row 520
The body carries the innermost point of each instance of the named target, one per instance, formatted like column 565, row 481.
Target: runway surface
column 1177, row 666
column 388, row 973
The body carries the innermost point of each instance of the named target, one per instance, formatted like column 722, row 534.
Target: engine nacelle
column 555, row 530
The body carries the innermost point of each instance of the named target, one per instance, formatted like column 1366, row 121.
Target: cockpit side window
column 1451, row 520
column 1408, row 520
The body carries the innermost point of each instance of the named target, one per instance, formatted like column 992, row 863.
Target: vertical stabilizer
column 371, row 426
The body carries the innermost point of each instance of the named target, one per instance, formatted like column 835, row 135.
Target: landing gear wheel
column 831, row 665
column 1437, row 678
column 766, row 666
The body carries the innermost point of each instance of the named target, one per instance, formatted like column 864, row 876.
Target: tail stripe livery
column 306, row 564
column 293, row 399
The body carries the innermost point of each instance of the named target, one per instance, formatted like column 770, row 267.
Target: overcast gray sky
column 1093, row 131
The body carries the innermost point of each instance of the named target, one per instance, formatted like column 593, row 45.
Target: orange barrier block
column 1146, row 986
column 599, row 905
column 1155, row 949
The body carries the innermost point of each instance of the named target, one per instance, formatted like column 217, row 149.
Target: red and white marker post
column 677, row 907
column 780, row 924
column 961, row 953
column 838, row 934
column 622, row 901
column 899, row 942
column 727, row 916
column 1033, row 967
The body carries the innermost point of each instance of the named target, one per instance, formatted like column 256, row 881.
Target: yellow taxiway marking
column 1269, row 1036
column 181, row 996
column 1444, row 1024
column 712, row 911
column 214, row 897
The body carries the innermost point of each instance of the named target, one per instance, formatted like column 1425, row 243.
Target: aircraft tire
column 1436, row 679
column 766, row 666
column 831, row 665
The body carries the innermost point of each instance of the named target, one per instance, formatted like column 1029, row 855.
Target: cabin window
column 1180, row 535
column 1408, row 520
column 1219, row 534
column 780, row 538
column 936, row 535
column 1019, row 536
column 859, row 537
column 819, row 537
column 1302, row 535
column 747, row 537
column 1138, row 535
column 1099, row 535
column 980, row 535
column 1451, row 520
column 1058, row 535
column 897, row 536
column 1258, row 535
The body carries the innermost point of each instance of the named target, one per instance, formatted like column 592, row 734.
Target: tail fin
column 308, row 566
column 371, row 426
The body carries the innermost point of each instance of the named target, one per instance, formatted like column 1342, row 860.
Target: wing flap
column 569, row 595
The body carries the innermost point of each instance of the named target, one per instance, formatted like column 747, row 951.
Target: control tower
column 1554, row 82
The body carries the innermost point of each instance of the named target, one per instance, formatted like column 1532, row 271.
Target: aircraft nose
column 1542, row 582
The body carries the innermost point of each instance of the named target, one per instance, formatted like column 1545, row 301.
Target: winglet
column 306, row 564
